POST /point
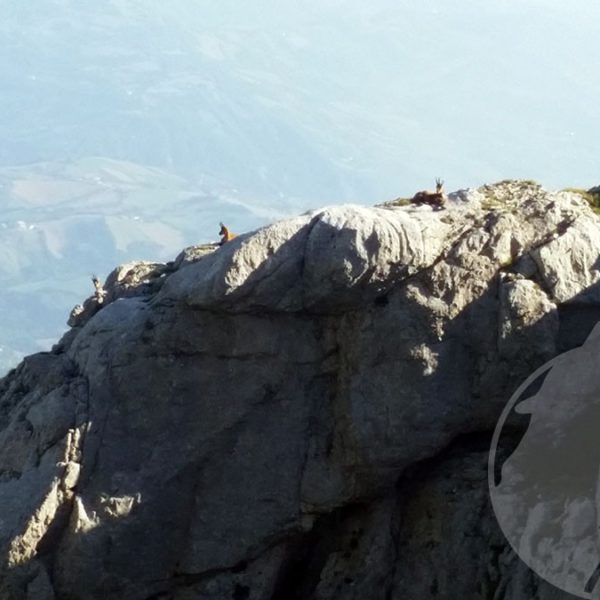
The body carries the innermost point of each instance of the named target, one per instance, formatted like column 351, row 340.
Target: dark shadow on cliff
column 576, row 320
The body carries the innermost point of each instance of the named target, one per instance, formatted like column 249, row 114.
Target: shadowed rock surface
column 304, row 412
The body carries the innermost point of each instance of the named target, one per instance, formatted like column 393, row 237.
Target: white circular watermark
column 544, row 470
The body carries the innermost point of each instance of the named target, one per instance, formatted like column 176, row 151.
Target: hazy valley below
column 64, row 222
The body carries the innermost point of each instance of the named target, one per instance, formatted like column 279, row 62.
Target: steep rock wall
column 302, row 413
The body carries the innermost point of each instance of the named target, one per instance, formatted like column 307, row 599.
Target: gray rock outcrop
column 304, row 412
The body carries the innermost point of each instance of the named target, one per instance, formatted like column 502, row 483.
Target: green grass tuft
column 522, row 183
column 593, row 198
column 396, row 202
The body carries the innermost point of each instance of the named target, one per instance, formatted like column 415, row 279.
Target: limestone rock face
column 304, row 412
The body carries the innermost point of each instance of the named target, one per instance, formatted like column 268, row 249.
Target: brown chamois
column 436, row 199
column 227, row 236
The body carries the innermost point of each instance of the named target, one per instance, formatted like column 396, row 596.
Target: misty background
column 130, row 128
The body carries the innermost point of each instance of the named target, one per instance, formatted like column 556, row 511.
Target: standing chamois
column 436, row 199
column 100, row 292
column 227, row 236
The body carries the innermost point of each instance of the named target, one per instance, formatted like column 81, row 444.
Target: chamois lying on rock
column 436, row 199
column 227, row 236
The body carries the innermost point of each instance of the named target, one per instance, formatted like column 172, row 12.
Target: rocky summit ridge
column 304, row 412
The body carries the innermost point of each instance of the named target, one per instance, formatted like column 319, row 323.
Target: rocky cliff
column 303, row 413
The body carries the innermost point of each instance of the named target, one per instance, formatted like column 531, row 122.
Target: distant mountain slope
column 346, row 100
column 111, row 80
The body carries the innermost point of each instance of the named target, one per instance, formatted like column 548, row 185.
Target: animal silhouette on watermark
column 544, row 470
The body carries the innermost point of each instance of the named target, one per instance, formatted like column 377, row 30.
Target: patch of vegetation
column 522, row 183
column 396, row 202
column 500, row 189
column 493, row 201
column 502, row 195
column 592, row 196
